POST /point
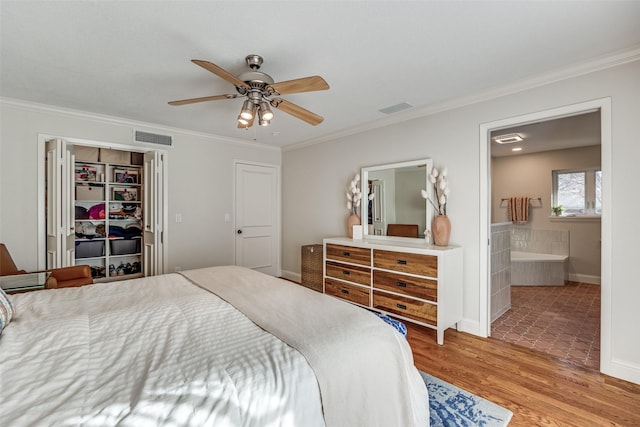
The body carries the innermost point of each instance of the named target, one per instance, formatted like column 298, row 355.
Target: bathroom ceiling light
column 509, row 138
column 517, row 149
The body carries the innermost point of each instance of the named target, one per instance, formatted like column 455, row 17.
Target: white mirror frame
column 365, row 197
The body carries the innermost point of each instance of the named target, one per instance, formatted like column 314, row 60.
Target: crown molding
column 135, row 125
column 593, row 65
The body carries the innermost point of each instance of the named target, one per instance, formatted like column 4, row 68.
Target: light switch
column 227, row 217
column 178, row 218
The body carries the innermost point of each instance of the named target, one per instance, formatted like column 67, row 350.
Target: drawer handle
column 402, row 262
column 401, row 284
column 344, row 291
column 346, row 273
column 346, row 253
column 401, row 306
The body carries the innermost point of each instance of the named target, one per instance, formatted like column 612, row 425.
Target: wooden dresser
column 410, row 281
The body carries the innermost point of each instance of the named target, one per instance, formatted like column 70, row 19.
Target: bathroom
column 545, row 247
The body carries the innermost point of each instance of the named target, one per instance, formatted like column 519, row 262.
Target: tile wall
column 554, row 242
column 541, row 273
column 500, row 269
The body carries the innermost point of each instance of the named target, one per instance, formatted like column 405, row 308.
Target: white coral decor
column 354, row 195
column 441, row 189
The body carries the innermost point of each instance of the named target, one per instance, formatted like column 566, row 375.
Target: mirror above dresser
column 397, row 208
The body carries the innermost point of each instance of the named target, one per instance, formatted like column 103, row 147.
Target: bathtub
column 535, row 269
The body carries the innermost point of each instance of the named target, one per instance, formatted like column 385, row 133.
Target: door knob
column 239, row 231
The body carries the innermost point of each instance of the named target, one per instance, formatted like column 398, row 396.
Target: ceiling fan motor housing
column 254, row 61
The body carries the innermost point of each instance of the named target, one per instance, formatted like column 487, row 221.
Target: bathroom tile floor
column 563, row 321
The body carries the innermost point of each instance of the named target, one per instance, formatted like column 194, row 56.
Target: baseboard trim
column 471, row 327
column 622, row 370
column 290, row 275
column 584, row 278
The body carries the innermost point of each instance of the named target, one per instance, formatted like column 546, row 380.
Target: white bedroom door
column 257, row 213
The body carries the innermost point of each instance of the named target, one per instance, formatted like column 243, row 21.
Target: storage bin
column 137, row 159
column 89, row 249
column 86, row 173
column 86, row 154
column 127, row 176
column 90, row 192
column 312, row 267
column 119, row 157
column 124, row 246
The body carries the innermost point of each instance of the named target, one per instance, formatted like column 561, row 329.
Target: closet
column 103, row 210
column 108, row 212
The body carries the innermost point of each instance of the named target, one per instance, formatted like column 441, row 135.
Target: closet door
column 153, row 212
column 60, row 210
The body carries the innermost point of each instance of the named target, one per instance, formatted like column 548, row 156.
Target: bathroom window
column 579, row 192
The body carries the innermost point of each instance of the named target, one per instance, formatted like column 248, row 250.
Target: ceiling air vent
column 153, row 138
column 396, row 108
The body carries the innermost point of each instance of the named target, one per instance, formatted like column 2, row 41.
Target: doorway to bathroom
column 540, row 313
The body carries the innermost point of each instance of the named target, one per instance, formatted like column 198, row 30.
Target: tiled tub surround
column 539, row 257
column 500, row 269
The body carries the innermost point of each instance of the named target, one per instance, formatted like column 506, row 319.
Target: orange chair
column 65, row 277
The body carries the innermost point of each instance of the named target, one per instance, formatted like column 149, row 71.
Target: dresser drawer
column 351, row 293
column 407, row 285
column 422, row 265
column 351, row 273
column 351, row 254
column 413, row 309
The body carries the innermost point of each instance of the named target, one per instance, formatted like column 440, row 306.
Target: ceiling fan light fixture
column 264, row 122
column 242, row 120
column 247, row 110
column 265, row 112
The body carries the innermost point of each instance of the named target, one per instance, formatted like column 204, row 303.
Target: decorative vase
column 441, row 230
column 352, row 220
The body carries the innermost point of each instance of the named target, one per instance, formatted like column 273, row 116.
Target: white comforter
column 161, row 351
column 147, row 352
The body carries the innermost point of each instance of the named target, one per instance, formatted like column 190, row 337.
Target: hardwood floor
column 540, row 389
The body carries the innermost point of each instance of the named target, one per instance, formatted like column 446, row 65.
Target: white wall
column 314, row 176
column 200, row 171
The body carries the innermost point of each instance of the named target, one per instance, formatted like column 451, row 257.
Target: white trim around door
column 604, row 105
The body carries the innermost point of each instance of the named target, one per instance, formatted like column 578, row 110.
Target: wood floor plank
column 540, row 389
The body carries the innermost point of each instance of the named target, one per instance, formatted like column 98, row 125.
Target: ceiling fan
column 261, row 92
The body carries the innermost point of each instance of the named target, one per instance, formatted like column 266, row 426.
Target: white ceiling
column 558, row 134
column 129, row 58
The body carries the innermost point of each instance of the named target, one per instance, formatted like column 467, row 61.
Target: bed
column 220, row 346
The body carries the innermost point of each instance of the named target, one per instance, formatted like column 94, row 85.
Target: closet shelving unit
column 109, row 219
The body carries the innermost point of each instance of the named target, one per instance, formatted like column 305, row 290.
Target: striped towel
column 519, row 210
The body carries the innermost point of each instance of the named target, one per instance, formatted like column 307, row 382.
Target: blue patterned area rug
column 451, row 406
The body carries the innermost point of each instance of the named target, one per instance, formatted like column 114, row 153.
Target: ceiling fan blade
column 203, row 99
column 305, row 84
column 297, row 111
column 220, row 72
